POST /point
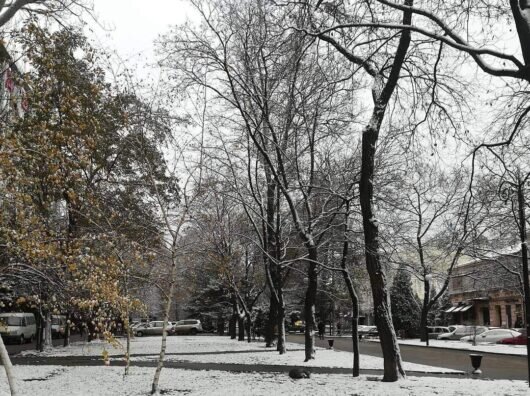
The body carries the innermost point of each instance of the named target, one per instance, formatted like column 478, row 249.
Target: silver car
column 151, row 328
column 188, row 326
column 463, row 332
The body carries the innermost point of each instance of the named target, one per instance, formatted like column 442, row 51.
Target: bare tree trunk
column 220, row 325
column 355, row 342
column 241, row 328
column 232, row 326
column 352, row 293
column 248, row 322
column 67, row 331
column 128, row 348
column 424, row 313
column 40, row 332
column 156, row 379
column 381, row 93
column 276, row 288
column 48, row 331
column 6, row 362
column 383, row 318
column 280, row 347
column 271, row 322
column 309, row 304
column 355, row 313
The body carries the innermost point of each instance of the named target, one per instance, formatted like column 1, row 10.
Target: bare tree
column 286, row 104
column 47, row 8
column 385, row 77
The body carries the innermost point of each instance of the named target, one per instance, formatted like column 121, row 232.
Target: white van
column 58, row 326
column 18, row 326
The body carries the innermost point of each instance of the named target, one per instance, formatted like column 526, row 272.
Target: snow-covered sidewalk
column 102, row 380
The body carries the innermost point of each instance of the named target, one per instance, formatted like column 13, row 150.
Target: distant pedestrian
column 321, row 330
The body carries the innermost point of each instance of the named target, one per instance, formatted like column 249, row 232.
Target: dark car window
column 12, row 321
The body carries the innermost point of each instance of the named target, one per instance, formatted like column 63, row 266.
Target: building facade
column 487, row 292
column 13, row 99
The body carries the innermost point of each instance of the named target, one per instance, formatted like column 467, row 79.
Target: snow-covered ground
column 294, row 357
column 109, row 381
column 103, row 380
column 200, row 349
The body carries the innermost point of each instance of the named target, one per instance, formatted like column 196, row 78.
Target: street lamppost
column 427, row 295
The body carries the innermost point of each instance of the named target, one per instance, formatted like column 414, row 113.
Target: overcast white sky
column 131, row 26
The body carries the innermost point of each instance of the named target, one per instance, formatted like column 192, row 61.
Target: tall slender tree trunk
column 248, row 322
column 309, row 303
column 424, row 313
column 271, row 322
column 382, row 93
column 8, row 367
column 241, row 328
column 127, row 326
column 354, row 303
column 281, row 347
column 352, row 293
column 393, row 369
column 232, row 326
column 383, row 318
column 274, row 278
column 67, row 330
column 171, row 294
column 48, row 331
column 40, row 332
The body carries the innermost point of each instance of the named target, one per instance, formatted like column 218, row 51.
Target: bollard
column 476, row 360
column 330, row 342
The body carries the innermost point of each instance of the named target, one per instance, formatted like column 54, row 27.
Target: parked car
column 521, row 339
column 188, row 326
column 460, row 332
column 368, row 331
column 151, row 328
column 491, row 336
column 58, row 326
column 454, row 327
column 435, row 331
column 18, row 326
column 299, row 326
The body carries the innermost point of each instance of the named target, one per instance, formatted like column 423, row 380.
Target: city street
column 494, row 366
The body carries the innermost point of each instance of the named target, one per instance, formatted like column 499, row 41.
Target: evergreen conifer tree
column 405, row 305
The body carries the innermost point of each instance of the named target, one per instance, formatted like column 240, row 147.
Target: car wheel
column 139, row 333
column 22, row 339
column 193, row 331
